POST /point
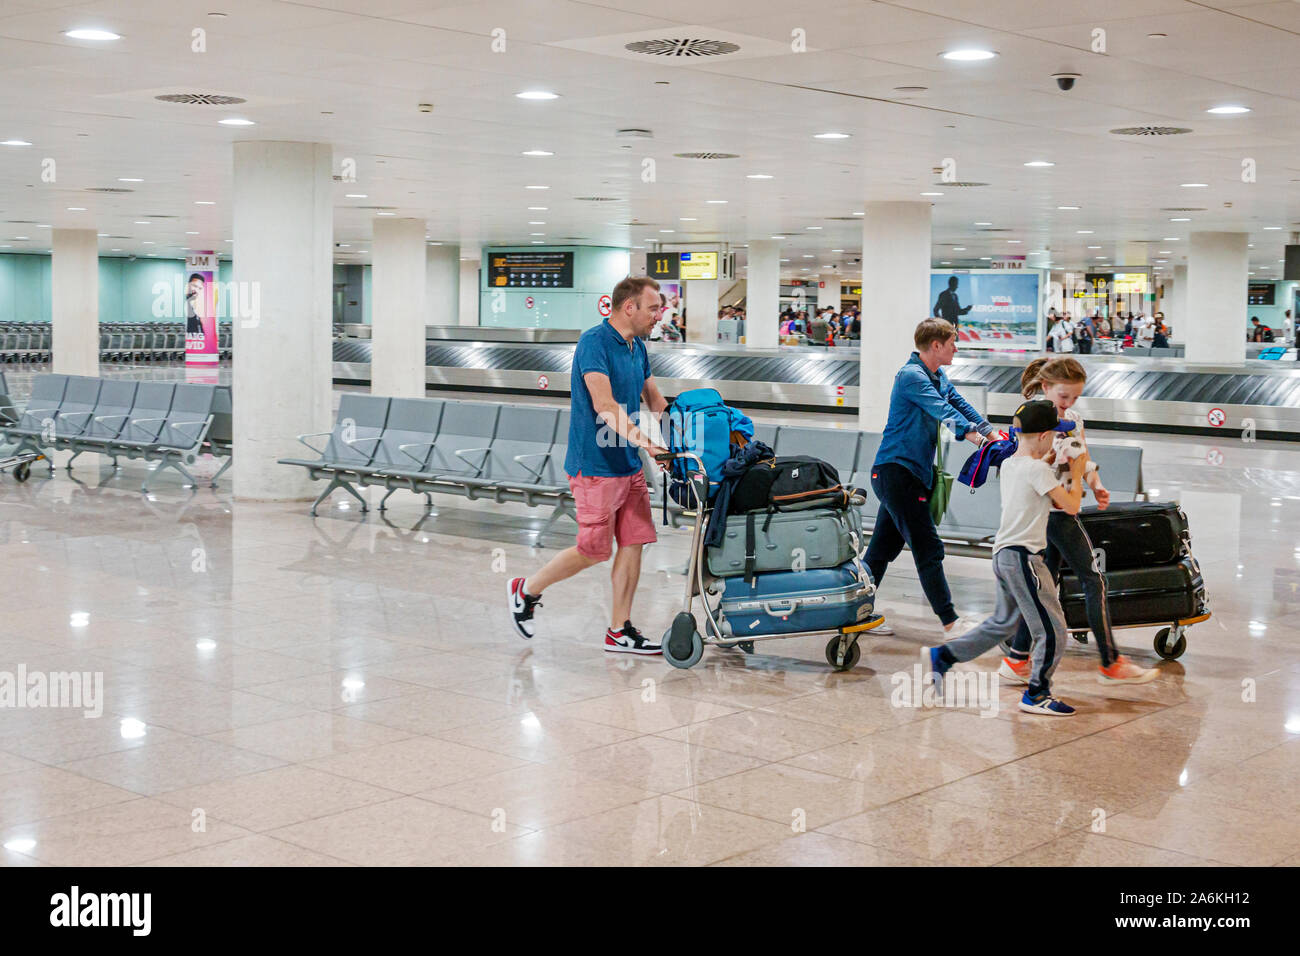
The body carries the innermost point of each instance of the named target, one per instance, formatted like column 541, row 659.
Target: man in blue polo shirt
column 609, row 379
column 903, row 471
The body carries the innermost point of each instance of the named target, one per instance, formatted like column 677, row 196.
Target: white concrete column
column 283, row 227
column 1215, row 328
column 763, row 294
column 469, row 291
column 896, row 281
column 702, row 311
column 1176, row 314
column 397, row 318
column 442, row 285
column 828, row 292
column 74, row 274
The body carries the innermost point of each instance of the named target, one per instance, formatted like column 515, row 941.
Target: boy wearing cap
column 1026, row 589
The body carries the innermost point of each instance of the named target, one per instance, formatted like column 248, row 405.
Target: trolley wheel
column 682, row 644
column 851, row 654
column 746, row 646
column 23, row 471
column 1170, row 652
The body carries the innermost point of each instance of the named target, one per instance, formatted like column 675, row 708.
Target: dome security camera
column 1065, row 81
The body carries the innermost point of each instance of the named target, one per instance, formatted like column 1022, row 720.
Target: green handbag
column 941, row 488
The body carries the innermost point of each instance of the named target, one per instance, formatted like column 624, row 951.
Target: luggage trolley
column 21, row 464
column 683, row 645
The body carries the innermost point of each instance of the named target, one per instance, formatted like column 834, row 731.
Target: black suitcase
column 1137, row 596
column 1137, row 534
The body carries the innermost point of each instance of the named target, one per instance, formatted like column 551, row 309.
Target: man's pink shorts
column 609, row 509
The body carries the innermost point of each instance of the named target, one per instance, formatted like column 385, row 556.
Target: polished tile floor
column 279, row 690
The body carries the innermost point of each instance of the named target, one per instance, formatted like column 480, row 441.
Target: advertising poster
column 200, row 297
column 993, row 309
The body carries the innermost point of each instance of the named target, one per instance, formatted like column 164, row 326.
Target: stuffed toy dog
column 1068, row 447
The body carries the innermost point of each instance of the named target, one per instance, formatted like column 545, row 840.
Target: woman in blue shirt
column 903, row 470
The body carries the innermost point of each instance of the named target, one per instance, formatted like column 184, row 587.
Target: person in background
column 1083, row 338
column 947, row 307
column 818, row 330
column 921, row 402
column 1063, row 335
column 1144, row 331
column 1103, row 327
column 855, row 327
column 1259, row 332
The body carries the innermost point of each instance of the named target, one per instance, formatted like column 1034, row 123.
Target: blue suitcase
column 790, row 602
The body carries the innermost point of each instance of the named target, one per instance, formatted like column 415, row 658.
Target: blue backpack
column 700, row 422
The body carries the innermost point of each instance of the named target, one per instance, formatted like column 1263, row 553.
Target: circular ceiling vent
column 381, row 208
column 1182, row 209
column 995, row 229
column 201, row 99
column 961, row 185
column 108, row 189
column 1150, row 131
column 682, row 47
column 159, row 215
column 707, row 155
column 843, row 218
column 595, row 199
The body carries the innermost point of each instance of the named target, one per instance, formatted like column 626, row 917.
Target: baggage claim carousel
column 1138, row 394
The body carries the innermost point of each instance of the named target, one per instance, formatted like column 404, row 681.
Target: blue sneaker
column 1045, row 704
column 938, row 667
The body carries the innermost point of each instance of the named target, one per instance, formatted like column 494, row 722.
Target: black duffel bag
column 793, row 483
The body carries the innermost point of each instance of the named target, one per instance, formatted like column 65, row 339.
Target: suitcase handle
column 771, row 608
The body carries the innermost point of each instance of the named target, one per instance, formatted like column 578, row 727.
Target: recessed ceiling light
column 76, row 209
column 143, row 222
column 195, row 233
column 812, row 227
column 1099, row 257
column 1162, row 260
column 537, row 95
column 538, row 208
column 536, row 222
column 931, row 194
column 356, row 196
column 1194, row 185
column 15, row 142
column 1271, row 228
column 776, row 237
column 859, row 214
column 538, row 152
column 758, row 176
column 986, row 258
column 1165, row 252
column 1170, row 239
column 716, row 202
column 1228, row 110
column 968, row 56
column 204, row 202
column 831, row 136
column 236, row 121
column 809, row 257
column 1016, row 241
column 1067, row 207
column 1084, row 232
column 687, row 219
column 946, row 262
column 837, row 250
column 1040, row 162
column 101, row 235
column 958, row 248
column 1094, row 247
column 148, row 242
column 537, row 187
column 983, row 223
column 92, row 34
column 385, row 214
column 537, row 233
column 20, row 238
column 667, row 230
column 785, row 260
column 1181, row 219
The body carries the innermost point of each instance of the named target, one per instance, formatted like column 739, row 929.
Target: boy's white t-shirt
column 1061, row 336
column 1025, row 483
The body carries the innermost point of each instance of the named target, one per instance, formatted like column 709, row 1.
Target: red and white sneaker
column 628, row 640
column 522, row 605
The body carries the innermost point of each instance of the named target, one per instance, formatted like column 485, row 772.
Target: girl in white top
column 1063, row 336
column 1061, row 381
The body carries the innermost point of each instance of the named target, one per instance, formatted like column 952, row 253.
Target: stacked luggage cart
column 30, row 342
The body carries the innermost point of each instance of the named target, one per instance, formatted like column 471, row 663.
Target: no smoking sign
column 528, row 302
column 1216, row 417
column 605, row 305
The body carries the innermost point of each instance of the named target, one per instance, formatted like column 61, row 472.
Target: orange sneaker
column 1015, row 671
column 1124, row 671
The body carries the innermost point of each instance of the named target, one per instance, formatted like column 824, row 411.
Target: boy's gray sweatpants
column 1026, row 592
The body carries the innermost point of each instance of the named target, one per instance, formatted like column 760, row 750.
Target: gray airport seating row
column 164, row 422
column 24, row 342
column 508, row 452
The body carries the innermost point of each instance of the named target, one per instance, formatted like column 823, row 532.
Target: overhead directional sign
column 663, row 265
